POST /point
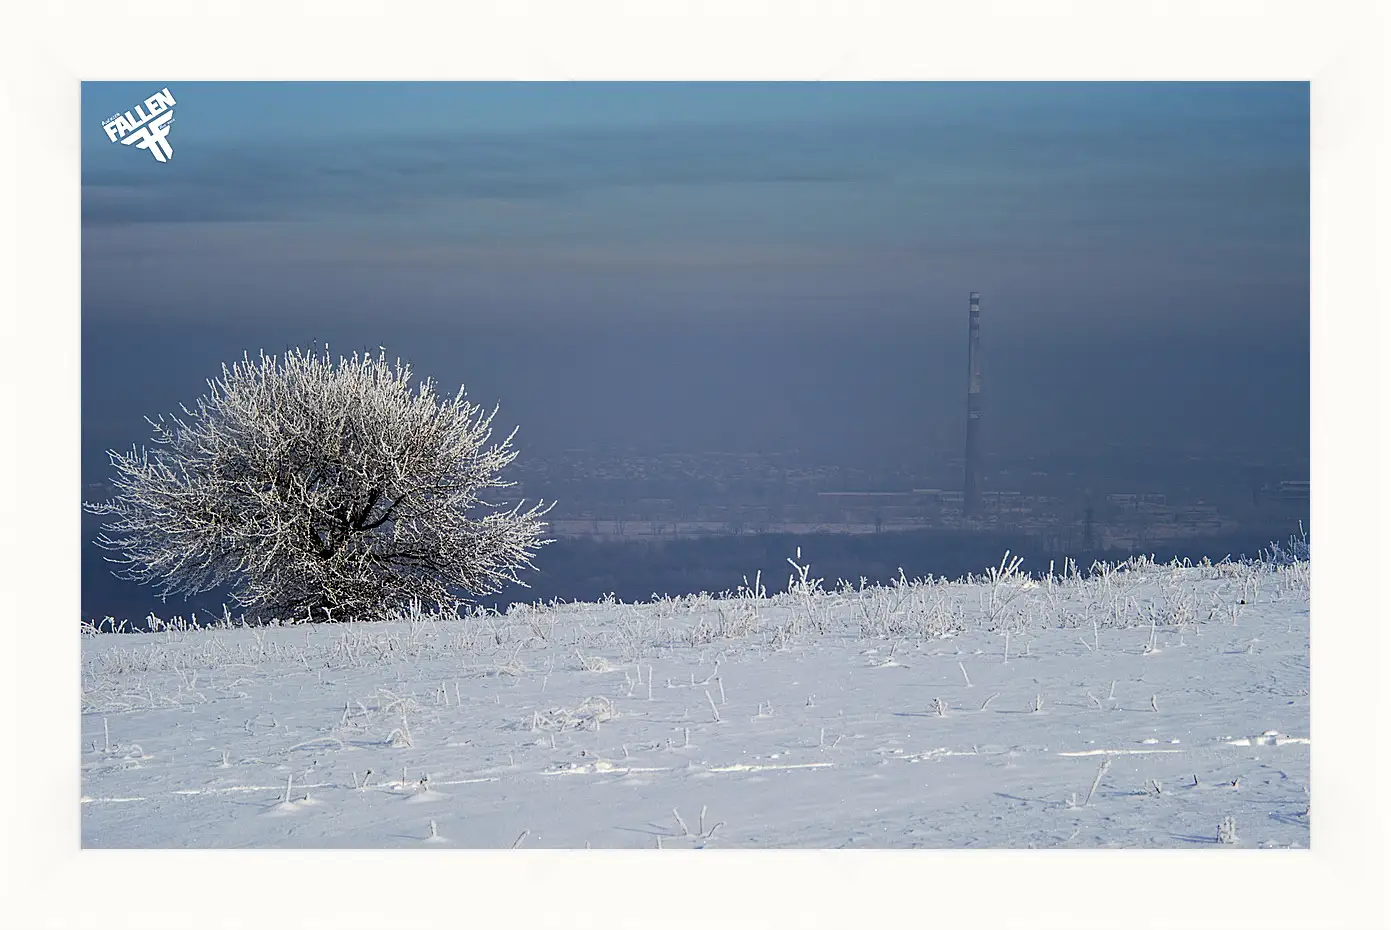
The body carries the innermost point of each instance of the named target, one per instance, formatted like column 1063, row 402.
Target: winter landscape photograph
column 737, row 464
column 654, row 466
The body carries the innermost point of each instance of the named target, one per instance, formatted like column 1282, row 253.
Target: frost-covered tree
column 310, row 488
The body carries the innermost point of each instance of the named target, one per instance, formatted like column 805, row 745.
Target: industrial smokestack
column 971, row 499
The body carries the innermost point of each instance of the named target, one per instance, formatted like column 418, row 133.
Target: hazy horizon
column 750, row 258
column 724, row 266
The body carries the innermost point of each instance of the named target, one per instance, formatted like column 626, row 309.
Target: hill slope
column 1141, row 705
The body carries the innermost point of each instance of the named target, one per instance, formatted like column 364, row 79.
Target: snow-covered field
column 1141, row 706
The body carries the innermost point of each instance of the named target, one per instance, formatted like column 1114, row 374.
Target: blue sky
column 744, row 252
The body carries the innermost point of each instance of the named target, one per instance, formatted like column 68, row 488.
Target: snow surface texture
column 1142, row 705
